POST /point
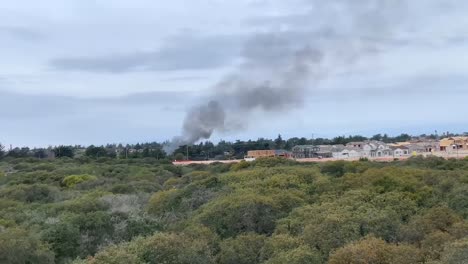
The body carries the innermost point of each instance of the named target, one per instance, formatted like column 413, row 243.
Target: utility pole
column 187, row 152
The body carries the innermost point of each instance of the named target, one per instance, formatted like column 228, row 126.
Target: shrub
column 374, row 250
column 72, row 180
column 244, row 249
column 17, row 246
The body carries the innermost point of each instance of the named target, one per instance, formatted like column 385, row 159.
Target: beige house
column 454, row 143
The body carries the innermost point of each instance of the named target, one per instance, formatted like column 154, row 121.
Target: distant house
column 304, row 151
column 312, row 151
column 358, row 144
column 371, row 148
column 350, row 153
column 419, row 146
column 453, row 143
column 400, row 151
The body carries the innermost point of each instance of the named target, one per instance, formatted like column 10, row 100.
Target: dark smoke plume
column 279, row 69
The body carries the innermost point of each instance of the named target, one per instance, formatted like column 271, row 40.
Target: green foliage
column 164, row 201
column 288, row 249
column 272, row 162
column 456, row 252
column 300, row 255
column 374, row 250
column 271, row 211
column 239, row 166
column 72, row 180
column 2, row 151
column 246, row 212
column 176, row 248
column 99, row 152
column 30, row 193
column 334, row 168
column 18, row 247
column 244, row 249
column 121, row 254
column 64, row 152
column 64, row 239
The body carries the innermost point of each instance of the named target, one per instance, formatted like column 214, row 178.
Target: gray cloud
column 182, row 52
column 23, row 106
column 378, row 71
column 184, row 78
column 21, row 33
column 39, row 120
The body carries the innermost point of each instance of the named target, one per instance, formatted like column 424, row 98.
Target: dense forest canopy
column 271, row 211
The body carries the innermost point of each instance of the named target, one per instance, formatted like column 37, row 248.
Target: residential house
column 312, row 151
column 400, row 151
column 350, row 153
column 304, row 151
column 453, row 143
column 372, row 149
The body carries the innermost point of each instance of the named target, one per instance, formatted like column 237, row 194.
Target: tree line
column 202, row 151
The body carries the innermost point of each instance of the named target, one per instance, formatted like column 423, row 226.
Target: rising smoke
column 280, row 68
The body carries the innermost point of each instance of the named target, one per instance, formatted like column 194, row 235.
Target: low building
column 350, row 152
column 400, row 151
column 358, row 144
column 371, row 149
column 312, row 151
column 461, row 143
column 304, row 151
column 453, row 143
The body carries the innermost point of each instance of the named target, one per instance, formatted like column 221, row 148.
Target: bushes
column 374, row 250
column 164, row 201
column 244, row 249
column 241, row 212
column 72, row 180
column 115, row 255
column 30, row 193
column 175, row 248
column 282, row 248
column 17, row 246
column 300, row 255
column 270, row 212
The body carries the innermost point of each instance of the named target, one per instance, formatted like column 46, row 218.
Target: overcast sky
column 101, row 71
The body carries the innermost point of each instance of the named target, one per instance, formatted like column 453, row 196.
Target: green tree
column 179, row 156
column 64, row 238
column 2, row 151
column 72, row 180
column 244, row 249
column 164, row 201
column 96, row 152
column 19, row 153
column 177, row 249
column 63, row 151
column 373, row 250
column 240, row 213
column 19, row 247
column 116, row 254
column 284, row 248
column 300, row 255
column 456, row 252
column 279, row 142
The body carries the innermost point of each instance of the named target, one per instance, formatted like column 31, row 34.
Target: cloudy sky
column 101, row 71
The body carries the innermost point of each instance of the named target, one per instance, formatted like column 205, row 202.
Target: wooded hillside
column 271, row 211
